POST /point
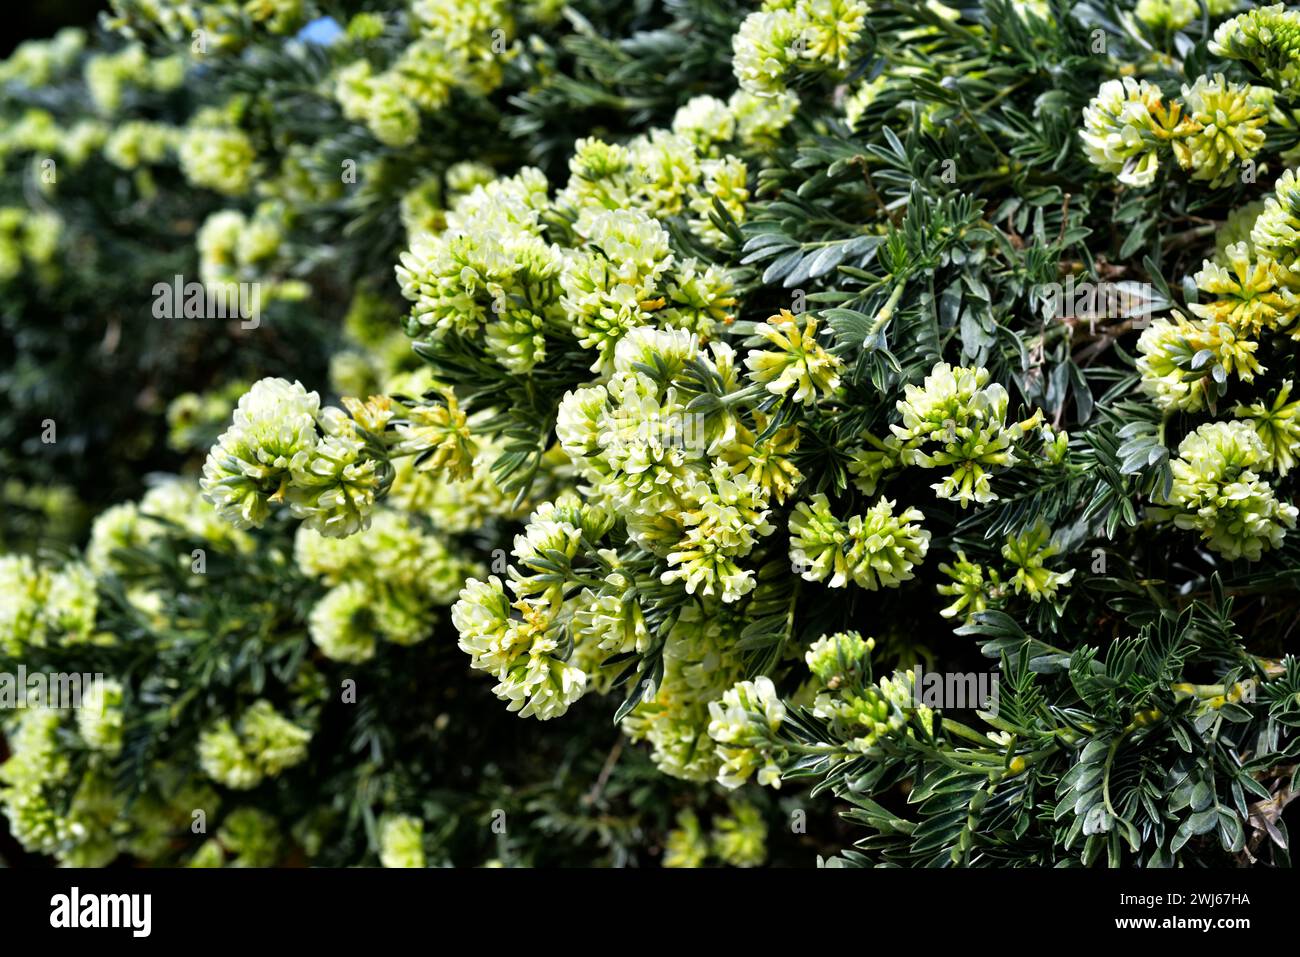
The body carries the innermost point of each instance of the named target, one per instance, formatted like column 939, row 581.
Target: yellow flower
column 801, row 364
column 440, row 438
column 1253, row 296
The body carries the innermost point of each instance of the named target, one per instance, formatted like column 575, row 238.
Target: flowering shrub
column 747, row 377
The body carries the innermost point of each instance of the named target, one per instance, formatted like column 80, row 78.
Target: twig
column 598, row 788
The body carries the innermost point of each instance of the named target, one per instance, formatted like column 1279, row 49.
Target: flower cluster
column 738, row 839
column 1254, row 295
column 1183, row 362
column 957, row 418
column 496, row 275
column 223, row 25
column 100, row 718
column 28, row 240
column 970, row 587
column 788, row 37
column 1268, row 38
column 378, row 101
column 1227, row 128
column 490, row 267
column 875, row 550
column 109, row 75
column 455, row 45
column 1277, row 423
column 248, row 837
column 46, row 814
column 661, row 466
column 40, row 606
column 796, row 362
column 861, row 713
column 1216, row 492
column 536, row 646
column 687, row 845
column 1276, row 233
column 1126, row 126
column 259, row 745
column 976, row 587
column 36, row 63
column 284, row 448
column 234, row 248
column 701, row 662
column 1166, row 14
column 217, row 156
column 401, row 841
column 1251, row 291
column 384, row 582
column 38, row 133
column 135, row 145
column 1028, row 553
column 518, row 644
column 742, row 726
column 1212, row 131
column 172, row 507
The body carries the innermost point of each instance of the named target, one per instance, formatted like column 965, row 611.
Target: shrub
column 888, row 418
